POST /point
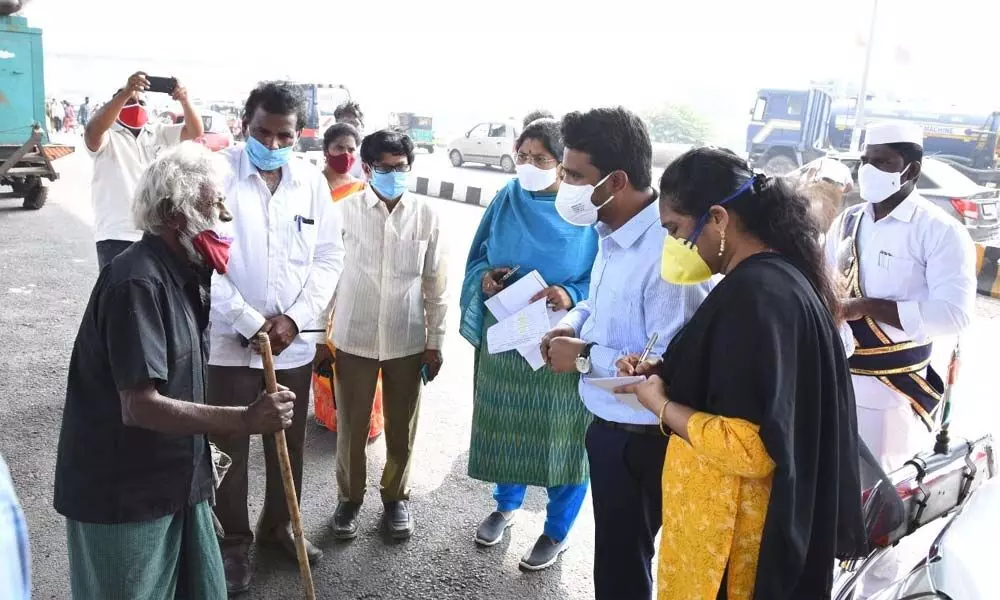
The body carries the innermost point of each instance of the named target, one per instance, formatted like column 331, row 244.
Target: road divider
column 988, row 270
column 435, row 188
column 447, row 190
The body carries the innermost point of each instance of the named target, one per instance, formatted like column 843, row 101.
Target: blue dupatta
column 523, row 228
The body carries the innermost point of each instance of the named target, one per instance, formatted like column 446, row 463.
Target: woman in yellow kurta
column 340, row 149
column 760, row 483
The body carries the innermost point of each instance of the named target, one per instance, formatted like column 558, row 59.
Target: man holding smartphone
column 123, row 142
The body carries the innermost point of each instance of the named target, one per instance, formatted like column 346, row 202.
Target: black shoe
column 345, row 520
column 236, row 563
column 543, row 554
column 491, row 530
column 283, row 538
column 398, row 519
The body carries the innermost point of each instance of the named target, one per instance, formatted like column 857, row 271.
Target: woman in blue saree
column 528, row 427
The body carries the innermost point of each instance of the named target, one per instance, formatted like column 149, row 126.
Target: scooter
column 950, row 482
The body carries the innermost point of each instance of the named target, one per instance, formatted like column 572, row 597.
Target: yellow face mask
column 681, row 264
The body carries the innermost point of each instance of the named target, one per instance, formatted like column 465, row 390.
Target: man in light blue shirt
column 606, row 166
column 15, row 561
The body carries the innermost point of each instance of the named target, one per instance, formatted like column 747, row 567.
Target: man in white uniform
column 910, row 274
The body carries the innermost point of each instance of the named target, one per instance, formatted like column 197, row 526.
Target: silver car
column 488, row 143
column 973, row 205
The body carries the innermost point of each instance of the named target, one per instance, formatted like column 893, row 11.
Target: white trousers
column 893, row 433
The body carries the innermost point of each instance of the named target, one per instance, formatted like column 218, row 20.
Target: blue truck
column 789, row 128
column 25, row 154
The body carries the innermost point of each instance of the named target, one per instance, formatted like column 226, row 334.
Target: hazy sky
column 463, row 60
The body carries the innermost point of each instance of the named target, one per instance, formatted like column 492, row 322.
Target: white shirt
column 925, row 261
column 628, row 302
column 118, row 164
column 391, row 300
column 286, row 258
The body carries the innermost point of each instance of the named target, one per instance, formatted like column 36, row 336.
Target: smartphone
column 425, row 374
column 161, row 85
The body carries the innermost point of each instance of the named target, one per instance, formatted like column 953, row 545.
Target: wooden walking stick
column 271, row 382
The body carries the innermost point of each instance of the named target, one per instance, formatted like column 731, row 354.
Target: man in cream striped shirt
column 390, row 310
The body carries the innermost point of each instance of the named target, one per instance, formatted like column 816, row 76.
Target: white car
column 488, row 143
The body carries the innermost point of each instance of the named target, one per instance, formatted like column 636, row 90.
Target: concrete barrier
column 988, row 270
column 435, row 188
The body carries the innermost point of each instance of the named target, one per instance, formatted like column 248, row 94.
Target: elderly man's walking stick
column 271, row 381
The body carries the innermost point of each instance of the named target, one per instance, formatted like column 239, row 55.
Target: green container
column 22, row 84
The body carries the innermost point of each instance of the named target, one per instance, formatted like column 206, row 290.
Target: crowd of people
column 64, row 117
column 772, row 353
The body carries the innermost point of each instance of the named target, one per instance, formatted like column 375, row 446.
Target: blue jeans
column 564, row 505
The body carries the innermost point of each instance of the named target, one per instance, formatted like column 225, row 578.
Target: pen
column 649, row 347
column 509, row 273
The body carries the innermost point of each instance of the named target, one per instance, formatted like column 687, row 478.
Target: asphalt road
column 47, row 268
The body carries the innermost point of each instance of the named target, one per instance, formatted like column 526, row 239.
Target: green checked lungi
column 171, row 558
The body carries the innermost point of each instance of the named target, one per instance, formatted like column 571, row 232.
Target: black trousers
column 239, row 386
column 108, row 249
column 625, row 472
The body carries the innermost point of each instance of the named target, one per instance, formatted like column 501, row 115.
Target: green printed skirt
column 528, row 427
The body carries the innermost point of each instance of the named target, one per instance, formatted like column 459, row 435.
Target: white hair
column 174, row 184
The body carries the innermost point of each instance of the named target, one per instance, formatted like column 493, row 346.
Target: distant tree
column 677, row 123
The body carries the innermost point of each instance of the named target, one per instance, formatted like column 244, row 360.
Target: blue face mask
column 389, row 185
column 264, row 158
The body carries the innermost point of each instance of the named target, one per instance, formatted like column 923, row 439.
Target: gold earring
column 722, row 244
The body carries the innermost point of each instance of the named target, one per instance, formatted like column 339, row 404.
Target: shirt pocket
column 903, row 279
column 303, row 243
column 410, row 256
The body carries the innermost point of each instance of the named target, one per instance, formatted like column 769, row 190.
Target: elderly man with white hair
column 134, row 474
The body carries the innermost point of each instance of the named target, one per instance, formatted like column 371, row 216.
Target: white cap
column 834, row 170
column 894, row 132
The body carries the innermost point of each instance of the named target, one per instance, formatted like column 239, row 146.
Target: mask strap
column 749, row 184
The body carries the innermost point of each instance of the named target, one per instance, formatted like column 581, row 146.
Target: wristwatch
column 583, row 360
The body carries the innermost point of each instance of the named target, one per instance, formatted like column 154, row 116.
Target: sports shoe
column 491, row 530
column 544, row 554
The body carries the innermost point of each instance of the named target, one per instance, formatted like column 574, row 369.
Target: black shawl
column 764, row 348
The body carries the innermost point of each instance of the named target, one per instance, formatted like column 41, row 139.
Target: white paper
column 609, row 384
column 533, row 352
column 516, row 296
column 526, row 326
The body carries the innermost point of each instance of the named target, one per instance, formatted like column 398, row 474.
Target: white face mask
column 574, row 205
column 877, row 185
column 534, row 179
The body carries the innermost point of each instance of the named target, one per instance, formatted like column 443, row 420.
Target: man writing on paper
column 606, row 185
column 909, row 269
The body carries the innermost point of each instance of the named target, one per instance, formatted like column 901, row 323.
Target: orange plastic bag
column 326, row 405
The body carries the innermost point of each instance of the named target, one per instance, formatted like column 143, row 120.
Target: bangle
column 662, row 408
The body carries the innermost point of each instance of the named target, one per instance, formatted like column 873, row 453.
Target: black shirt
column 146, row 320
